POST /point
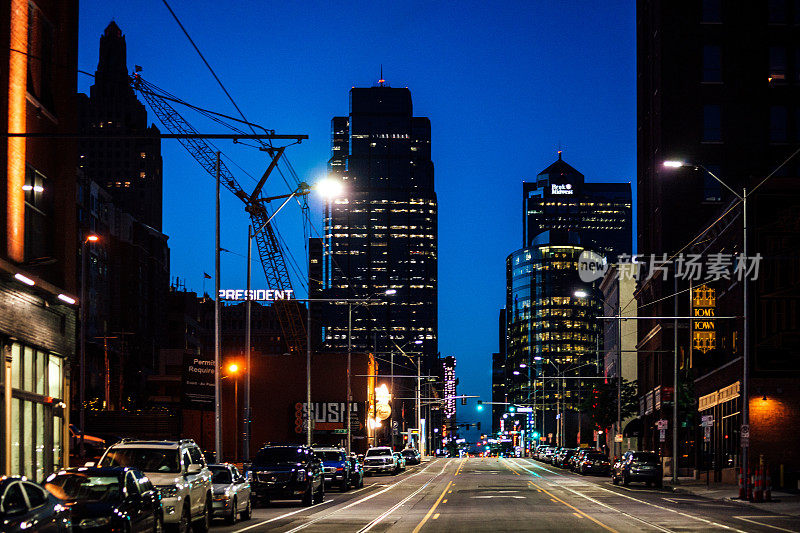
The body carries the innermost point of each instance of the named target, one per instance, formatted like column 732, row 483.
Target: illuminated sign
column 326, row 416
column 704, row 304
column 561, row 189
column 263, row 295
column 450, row 387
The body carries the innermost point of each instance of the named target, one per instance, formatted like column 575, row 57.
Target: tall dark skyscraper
column 128, row 168
column 718, row 85
column 382, row 234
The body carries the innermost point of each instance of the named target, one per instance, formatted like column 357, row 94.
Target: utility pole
column 675, row 385
column 217, row 339
column 247, row 368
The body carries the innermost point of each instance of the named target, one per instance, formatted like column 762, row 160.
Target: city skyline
column 479, row 165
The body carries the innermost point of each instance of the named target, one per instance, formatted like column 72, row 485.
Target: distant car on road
column 287, row 472
column 638, row 466
column 24, row 503
column 412, row 456
column 379, row 460
column 356, row 471
column 400, row 461
column 594, row 462
column 231, row 493
column 108, row 499
column 336, row 466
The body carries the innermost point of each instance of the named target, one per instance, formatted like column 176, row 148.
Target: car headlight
column 168, row 491
column 94, row 522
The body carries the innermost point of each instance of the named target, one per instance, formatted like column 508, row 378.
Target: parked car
column 356, row 471
column 548, row 454
column 231, row 493
column 400, row 461
column 24, row 505
column 379, row 460
column 638, row 466
column 335, row 466
column 562, row 461
column 577, row 458
column 286, row 472
column 109, row 499
column 412, row 456
column 178, row 469
column 594, row 462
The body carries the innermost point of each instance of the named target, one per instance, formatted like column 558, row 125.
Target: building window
column 712, row 63
column 38, row 215
column 777, row 12
column 712, row 11
column 778, row 118
column 712, row 123
column 41, row 57
column 777, row 64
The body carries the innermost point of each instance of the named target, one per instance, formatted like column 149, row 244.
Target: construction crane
column 268, row 243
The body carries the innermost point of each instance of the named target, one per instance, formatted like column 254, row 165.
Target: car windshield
column 409, row 453
column 271, row 456
column 220, row 475
column 80, row 486
column 144, row 459
column 645, row 457
column 372, row 452
column 330, row 456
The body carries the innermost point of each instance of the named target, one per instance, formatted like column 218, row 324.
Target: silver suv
column 178, row 469
column 380, row 460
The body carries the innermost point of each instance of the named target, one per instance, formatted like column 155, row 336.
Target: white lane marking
column 748, row 519
column 717, row 524
column 366, row 498
column 499, row 496
column 678, row 500
column 390, row 511
column 282, row 516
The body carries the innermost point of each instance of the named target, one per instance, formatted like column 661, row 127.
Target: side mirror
column 194, row 468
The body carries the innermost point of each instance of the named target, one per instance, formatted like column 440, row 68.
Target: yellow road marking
column 555, row 498
column 436, row 516
column 576, row 514
column 432, row 509
column 444, row 501
column 449, row 492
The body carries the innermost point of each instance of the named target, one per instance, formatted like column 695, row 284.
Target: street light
column 91, row 238
column 233, row 370
column 745, row 445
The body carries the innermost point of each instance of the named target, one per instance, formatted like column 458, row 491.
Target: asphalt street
column 491, row 494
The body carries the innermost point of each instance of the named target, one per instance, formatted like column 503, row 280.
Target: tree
column 601, row 403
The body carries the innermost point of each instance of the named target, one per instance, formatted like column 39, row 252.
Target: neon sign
column 263, row 295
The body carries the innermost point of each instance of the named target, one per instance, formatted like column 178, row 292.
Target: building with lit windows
column 552, row 336
column 38, row 294
column 382, row 234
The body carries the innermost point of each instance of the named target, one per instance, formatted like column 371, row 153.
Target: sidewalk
column 782, row 502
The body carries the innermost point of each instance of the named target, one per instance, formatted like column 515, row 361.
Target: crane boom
column 269, row 247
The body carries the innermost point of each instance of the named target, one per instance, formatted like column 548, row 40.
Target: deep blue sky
column 504, row 84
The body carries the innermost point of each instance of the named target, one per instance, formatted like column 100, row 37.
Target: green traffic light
column 479, row 407
column 512, row 409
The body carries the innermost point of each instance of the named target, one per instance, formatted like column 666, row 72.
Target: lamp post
column 233, row 370
column 89, row 238
column 745, row 444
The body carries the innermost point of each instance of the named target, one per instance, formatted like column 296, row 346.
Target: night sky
column 505, row 84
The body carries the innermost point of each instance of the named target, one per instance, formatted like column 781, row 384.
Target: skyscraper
column 382, row 234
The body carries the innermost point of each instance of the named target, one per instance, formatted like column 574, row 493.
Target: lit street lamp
column 745, row 326
column 233, row 370
column 91, row 238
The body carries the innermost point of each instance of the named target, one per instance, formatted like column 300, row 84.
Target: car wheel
column 248, row 511
column 183, row 523
column 321, row 493
column 231, row 518
column 345, row 485
column 361, row 482
column 625, row 481
column 203, row 524
column 659, row 483
column 614, row 480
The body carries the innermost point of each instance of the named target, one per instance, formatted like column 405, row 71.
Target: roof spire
column 381, row 81
column 559, row 150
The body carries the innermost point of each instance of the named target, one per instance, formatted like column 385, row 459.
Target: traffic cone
column 742, row 495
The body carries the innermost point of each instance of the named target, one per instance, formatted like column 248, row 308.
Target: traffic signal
column 535, row 434
column 479, row 407
column 469, row 426
column 512, row 408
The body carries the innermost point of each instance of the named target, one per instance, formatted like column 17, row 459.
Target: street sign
column 707, row 434
column 662, row 435
column 662, row 424
column 618, row 437
column 707, row 421
column 745, row 434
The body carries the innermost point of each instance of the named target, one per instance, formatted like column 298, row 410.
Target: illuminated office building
column 382, row 233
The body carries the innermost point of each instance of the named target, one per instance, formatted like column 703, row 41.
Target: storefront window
column 16, row 367
column 27, row 375
column 15, row 436
column 58, row 423
column 41, row 375
column 55, row 371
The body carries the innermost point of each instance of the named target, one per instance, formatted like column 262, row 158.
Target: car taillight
column 339, row 469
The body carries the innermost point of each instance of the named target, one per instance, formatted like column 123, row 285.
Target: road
column 491, row 494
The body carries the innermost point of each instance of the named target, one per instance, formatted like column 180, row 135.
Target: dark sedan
column 108, row 499
column 595, row 463
column 27, row 506
column 638, row 466
column 412, row 456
